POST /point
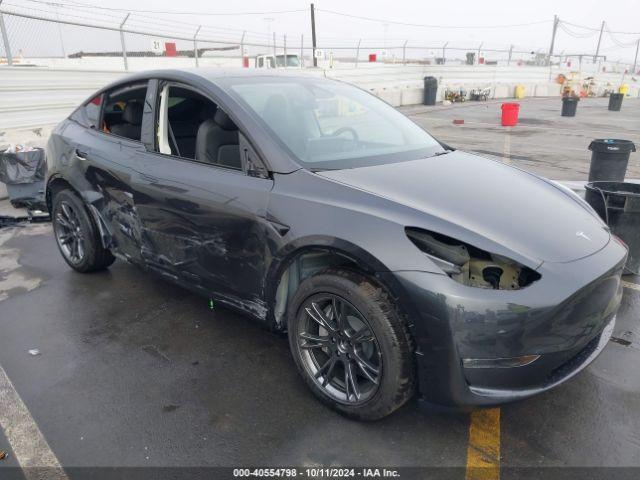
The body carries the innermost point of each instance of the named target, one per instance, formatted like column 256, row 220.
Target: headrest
column 133, row 113
column 208, row 111
column 223, row 120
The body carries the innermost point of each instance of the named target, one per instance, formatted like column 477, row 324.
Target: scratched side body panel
column 205, row 226
column 103, row 178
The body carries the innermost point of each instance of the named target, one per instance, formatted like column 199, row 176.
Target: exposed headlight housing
column 469, row 265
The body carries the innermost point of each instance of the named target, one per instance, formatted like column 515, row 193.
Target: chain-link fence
column 114, row 41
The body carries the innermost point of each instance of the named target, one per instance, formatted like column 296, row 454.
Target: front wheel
column 350, row 344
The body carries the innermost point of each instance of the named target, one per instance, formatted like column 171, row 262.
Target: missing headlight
column 472, row 266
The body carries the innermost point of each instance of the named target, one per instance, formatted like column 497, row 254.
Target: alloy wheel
column 339, row 349
column 69, row 234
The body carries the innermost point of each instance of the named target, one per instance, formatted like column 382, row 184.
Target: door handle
column 80, row 155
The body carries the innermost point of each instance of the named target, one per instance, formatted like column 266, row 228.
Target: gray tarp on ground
column 22, row 167
column 24, row 172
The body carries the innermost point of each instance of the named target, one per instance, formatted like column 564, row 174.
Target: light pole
column 269, row 21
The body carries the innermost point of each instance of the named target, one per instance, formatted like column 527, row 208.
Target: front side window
column 331, row 125
column 189, row 125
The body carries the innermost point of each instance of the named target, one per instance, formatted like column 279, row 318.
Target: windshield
column 332, row 125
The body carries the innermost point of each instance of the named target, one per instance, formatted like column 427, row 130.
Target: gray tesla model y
column 397, row 265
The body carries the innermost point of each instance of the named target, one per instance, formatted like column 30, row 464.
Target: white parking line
column 506, row 149
column 26, row 440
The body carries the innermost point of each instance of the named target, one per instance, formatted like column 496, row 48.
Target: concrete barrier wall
column 402, row 85
column 32, row 97
column 36, row 97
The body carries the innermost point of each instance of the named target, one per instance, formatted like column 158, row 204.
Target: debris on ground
column 3, row 454
column 34, row 352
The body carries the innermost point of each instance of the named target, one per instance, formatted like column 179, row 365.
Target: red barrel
column 510, row 114
column 245, row 62
column 373, row 57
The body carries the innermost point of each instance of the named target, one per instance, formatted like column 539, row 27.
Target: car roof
column 214, row 73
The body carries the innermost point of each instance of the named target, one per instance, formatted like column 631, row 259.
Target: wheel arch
column 54, row 184
column 304, row 257
column 57, row 183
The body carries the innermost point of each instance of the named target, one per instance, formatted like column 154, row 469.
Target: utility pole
column 285, row 50
column 195, row 44
column 635, row 62
column 274, row 48
column 313, row 35
column 124, row 47
column 510, row 53
column 599, row 40
column 358, row 52
column 556, row 20
column 302, row 51
column 64, row 53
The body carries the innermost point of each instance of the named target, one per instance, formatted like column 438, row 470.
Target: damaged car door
column 202, row 211
column 107, row 152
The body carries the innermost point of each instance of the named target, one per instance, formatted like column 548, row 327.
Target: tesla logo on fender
column 582, row 234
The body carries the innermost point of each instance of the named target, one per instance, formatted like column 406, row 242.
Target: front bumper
column 552, row 374
column 566, row 318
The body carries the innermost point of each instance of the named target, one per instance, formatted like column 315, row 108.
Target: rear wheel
column 350, row 345
column 77, row 235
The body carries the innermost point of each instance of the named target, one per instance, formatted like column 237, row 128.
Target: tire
column 323, row 344
column 72, row 225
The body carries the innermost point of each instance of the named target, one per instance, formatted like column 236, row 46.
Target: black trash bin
column 569, row 106
column 430, row 90
column 615, row 101
column 609, row 159
column 618, row 204
column 23, row 172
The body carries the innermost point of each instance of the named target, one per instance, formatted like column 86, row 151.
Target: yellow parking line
column 632, row 286
column 483, row 452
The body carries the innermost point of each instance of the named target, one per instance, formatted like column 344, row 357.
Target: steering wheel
column 350, row 130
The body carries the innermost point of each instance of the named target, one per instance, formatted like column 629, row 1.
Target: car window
column 291, row 61
column 189, row 125
column 332, row 125
column 88, row 115
column 123, row 110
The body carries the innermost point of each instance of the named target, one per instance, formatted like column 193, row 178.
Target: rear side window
column 88, row 115
column 123, row 110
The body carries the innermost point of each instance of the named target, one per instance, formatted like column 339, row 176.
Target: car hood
column 508, row 206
